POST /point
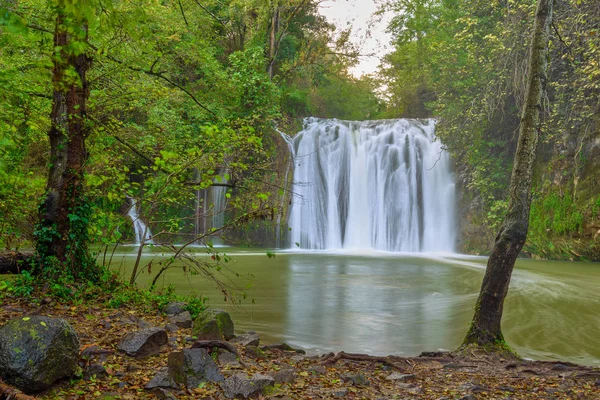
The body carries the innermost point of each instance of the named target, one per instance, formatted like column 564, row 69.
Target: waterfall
column 142, row 231
column 211, row 204
column 385, row 185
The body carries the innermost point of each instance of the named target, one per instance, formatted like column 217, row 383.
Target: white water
column 211, row 204
column 142, row 231
column 385, row 185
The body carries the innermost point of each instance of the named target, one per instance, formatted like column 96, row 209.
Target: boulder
column 175, row 308
column 94, row 371
column 162, row 379
column 213, row 324
column 241, row 385
column 182, row 320
column 190, row 367
column 355, row 379
column 287, row 375
column 37, row 351
column 247, row 339
column 143, row 343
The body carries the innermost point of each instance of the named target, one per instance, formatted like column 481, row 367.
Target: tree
column 62, row 231
column 485, row 328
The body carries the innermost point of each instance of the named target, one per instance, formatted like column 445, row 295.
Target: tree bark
column 273, row 44
column 61, row 213
column 485, row 328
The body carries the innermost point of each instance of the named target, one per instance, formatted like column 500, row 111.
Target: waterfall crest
column 385, row 185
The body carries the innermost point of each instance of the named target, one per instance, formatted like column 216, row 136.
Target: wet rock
column 255, row 353
column 175, row 308
column 287, row 375
column 94, row 371
column 247, row 339
column 143, row 343
column 182, row 320
column 396, row 376
column 241, row 385
column 162, row 380
column 213, row 324
column 355, row 379
column 190, row 367
column 37, row 351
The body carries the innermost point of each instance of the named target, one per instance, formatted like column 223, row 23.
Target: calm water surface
column 386, row 303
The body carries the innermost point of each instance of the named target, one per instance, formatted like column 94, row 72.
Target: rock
column 473, row 387
column 597, row 384
column 507, row 389
column 143, row 343
column 162, row 380
column 175, row 308
column 182, row 320
column 468, row 397
column 340, row 392
column 396, row 376
column 94, row 351
column 287, row 375
column 37, row 351
column 241, row 385
column 247, row 339
column 255, row 352
column 94, row 371
column 171, row 328
column 416, row 390
column 213, row 324
column 318, row 369
column 190, row 367
column 560, row 367
column 227, row 358
column 355, row 379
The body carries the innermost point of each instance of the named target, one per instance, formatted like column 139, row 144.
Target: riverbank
column 296, row 375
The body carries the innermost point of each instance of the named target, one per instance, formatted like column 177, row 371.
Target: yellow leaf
column 26, row 318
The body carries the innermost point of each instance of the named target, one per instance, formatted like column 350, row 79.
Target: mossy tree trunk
column 485, row 328
column 62, row 231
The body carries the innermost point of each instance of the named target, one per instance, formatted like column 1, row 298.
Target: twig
column 11, row 393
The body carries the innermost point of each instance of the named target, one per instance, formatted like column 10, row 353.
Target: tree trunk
column 62, row 231
column 273, row 41
column 485, row 328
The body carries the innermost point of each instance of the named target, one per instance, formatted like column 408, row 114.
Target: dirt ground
column 469, row 376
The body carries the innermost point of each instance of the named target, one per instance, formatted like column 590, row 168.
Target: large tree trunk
column 62, row 232
column 485, row 327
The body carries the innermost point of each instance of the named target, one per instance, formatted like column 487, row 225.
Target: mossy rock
column 213, row 324
column 37, row 351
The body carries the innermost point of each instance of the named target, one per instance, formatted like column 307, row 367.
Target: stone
column 509, row 389
column 255, row 353
column 396, row 376
column 340, row 392
column 597, row 384
column 163, row 394
column 247, row 339
column 213, row 324
column 94, row 371
column 182, row 320
column 287, row 375
column 318, row 369
column 241, row 385
column 143, row 343
column 227, row 358
column 190, row 367
column 468, row 397
column 172, row 328
column 37, row 351
column 355, row 379
column 560, row 367
column 162, row 380
column 175, row 308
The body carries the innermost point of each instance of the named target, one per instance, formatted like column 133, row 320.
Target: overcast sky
column 359, row 14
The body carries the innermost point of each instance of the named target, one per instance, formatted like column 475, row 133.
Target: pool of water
column 388, row 303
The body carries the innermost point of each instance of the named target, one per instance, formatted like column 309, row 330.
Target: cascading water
column 383, row 185
column 142, row 231
column 211, row 205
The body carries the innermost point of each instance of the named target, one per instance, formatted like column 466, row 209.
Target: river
column 389, row 303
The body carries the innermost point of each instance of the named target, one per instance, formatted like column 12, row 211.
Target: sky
column 359, row 14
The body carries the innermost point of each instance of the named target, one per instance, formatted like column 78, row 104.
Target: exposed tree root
column 332, row 358
column 10, row 393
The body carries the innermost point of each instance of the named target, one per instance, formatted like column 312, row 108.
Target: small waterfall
column 211, row 204
column 290, row 143
column 142, row 231
column 385, row 185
